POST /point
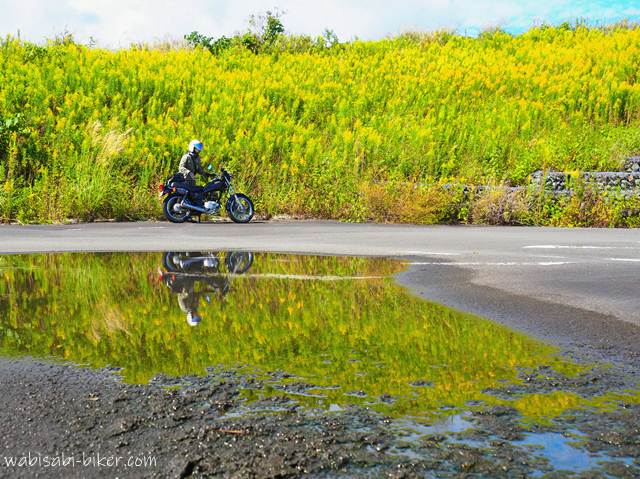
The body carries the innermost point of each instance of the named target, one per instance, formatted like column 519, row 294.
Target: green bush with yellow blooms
column 400, row 129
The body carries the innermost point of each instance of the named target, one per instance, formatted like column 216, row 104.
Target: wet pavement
column 272, row 365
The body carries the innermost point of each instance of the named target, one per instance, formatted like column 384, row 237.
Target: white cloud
column 120, row 22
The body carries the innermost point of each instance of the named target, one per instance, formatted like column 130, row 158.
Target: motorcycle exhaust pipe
column 185, row 203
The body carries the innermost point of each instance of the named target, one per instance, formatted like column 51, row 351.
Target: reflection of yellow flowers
column 542, row 406
column 359, row 335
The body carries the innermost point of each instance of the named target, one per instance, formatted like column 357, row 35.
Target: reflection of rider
column 189, row 298
column 185, row 270
column 189, row 302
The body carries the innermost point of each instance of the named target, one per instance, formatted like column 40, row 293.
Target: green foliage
column 264, row 32
column 273, row 27
column 214, row 45
column 329, row 38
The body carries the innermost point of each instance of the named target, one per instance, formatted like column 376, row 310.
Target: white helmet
column 193, row 318
column 195, row 146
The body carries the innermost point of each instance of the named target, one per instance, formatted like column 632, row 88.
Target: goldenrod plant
column 318, row 128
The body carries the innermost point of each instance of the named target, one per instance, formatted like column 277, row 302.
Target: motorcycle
column 182, row 199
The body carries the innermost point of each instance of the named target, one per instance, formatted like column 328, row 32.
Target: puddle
column 338, row 328
column 323, row 334
column 412, row 432
column 560, row 451
column 557, row 449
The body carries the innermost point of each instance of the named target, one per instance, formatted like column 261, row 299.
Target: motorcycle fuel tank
column 214, row 185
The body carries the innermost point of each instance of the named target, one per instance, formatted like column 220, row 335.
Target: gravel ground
column 203, row 426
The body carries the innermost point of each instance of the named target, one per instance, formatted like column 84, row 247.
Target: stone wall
column 626, row 180
column 632, row 165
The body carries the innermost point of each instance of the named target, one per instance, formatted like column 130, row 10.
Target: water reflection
column 340, row 324
column 197, row 276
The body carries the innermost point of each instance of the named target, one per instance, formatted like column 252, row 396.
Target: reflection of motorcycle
column 193, row 276
column 236, row 262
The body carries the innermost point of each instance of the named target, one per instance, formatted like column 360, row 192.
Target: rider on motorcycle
column 190, row 163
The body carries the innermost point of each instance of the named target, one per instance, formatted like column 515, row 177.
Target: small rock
column 421, row 383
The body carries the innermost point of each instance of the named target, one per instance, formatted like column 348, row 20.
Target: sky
column 118, row 23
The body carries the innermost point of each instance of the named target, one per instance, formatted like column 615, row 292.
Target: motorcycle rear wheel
column 170, row 211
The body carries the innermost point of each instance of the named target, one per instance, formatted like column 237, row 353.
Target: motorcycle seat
column 188, row 186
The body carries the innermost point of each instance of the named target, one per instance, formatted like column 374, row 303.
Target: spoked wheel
column 173, row 211
column 240, row 208
column 238, row 262
column 170, row 261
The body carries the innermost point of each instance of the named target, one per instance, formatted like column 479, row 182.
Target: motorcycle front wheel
column 238, row 262
column 240, row 208
column 173, row 211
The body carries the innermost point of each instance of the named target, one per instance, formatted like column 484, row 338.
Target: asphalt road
column 576, row 287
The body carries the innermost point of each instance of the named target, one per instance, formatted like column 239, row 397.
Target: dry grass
column 409, row 203
column 501, row 206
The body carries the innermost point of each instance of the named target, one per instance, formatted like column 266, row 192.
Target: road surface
column 579, row 288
